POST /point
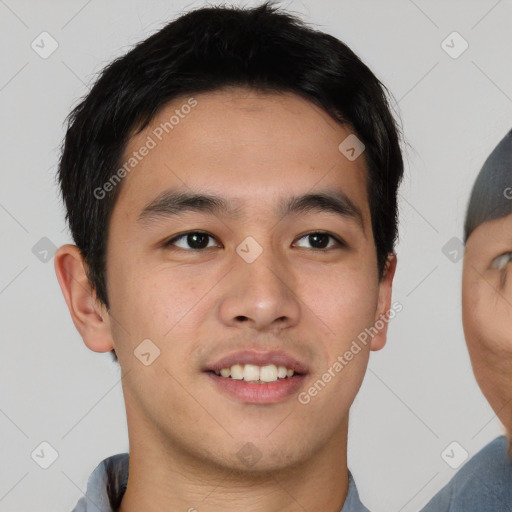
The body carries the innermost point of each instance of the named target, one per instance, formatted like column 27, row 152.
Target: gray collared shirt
column 483, row 484
column 107, row 484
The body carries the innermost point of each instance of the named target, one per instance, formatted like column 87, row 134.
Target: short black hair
column 491, row 196
column 263, row 48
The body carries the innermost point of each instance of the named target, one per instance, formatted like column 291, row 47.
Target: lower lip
column 254, row 393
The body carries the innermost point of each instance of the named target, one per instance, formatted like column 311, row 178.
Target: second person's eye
column 502, row 261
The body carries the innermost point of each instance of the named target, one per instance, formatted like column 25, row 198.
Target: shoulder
column 352, row 501
column 112, row 471
column 484, row 483
column 106, row 485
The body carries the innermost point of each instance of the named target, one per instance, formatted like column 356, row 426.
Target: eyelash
column 169, row 243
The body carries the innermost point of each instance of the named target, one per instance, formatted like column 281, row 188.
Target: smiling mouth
column 254, row 373
column 254, row 384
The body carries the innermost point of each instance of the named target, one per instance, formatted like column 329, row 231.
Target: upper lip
column 259, row 358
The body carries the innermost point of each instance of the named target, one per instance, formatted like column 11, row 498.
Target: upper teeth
column 252, row 372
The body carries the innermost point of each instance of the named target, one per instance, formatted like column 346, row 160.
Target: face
column 487, row 311
column 275, row 275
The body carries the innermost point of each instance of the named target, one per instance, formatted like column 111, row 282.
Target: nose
column 259, row 295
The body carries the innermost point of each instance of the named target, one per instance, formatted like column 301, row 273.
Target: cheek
column 487, row 321
column 164, row 302
column 344, row 299
column 152, row 303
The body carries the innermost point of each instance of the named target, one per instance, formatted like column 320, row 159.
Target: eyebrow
column 172, row 203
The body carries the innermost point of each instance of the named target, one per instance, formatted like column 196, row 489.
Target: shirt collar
column 107, row 484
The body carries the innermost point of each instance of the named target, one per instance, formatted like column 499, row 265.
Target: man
column 231, row 187
column 484, row 483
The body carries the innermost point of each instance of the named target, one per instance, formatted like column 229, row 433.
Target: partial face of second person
column 198, row 300
column 487, row 312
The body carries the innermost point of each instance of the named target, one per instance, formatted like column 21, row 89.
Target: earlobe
column 382, row 314
column 90, row 319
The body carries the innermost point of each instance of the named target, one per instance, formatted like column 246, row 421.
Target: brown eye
column 320, row 240
column 502, row 261
column 193, row 240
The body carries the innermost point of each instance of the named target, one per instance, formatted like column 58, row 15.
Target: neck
column 163, row 479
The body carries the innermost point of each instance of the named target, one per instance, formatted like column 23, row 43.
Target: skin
column 487, row 313
column 196, row 305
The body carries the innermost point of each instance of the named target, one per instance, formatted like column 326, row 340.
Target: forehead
column 250, row 146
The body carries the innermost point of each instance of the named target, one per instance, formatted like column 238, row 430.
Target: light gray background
column 419, row 394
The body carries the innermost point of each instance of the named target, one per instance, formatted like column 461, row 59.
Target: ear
column 90, row 317
column 384, row 304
